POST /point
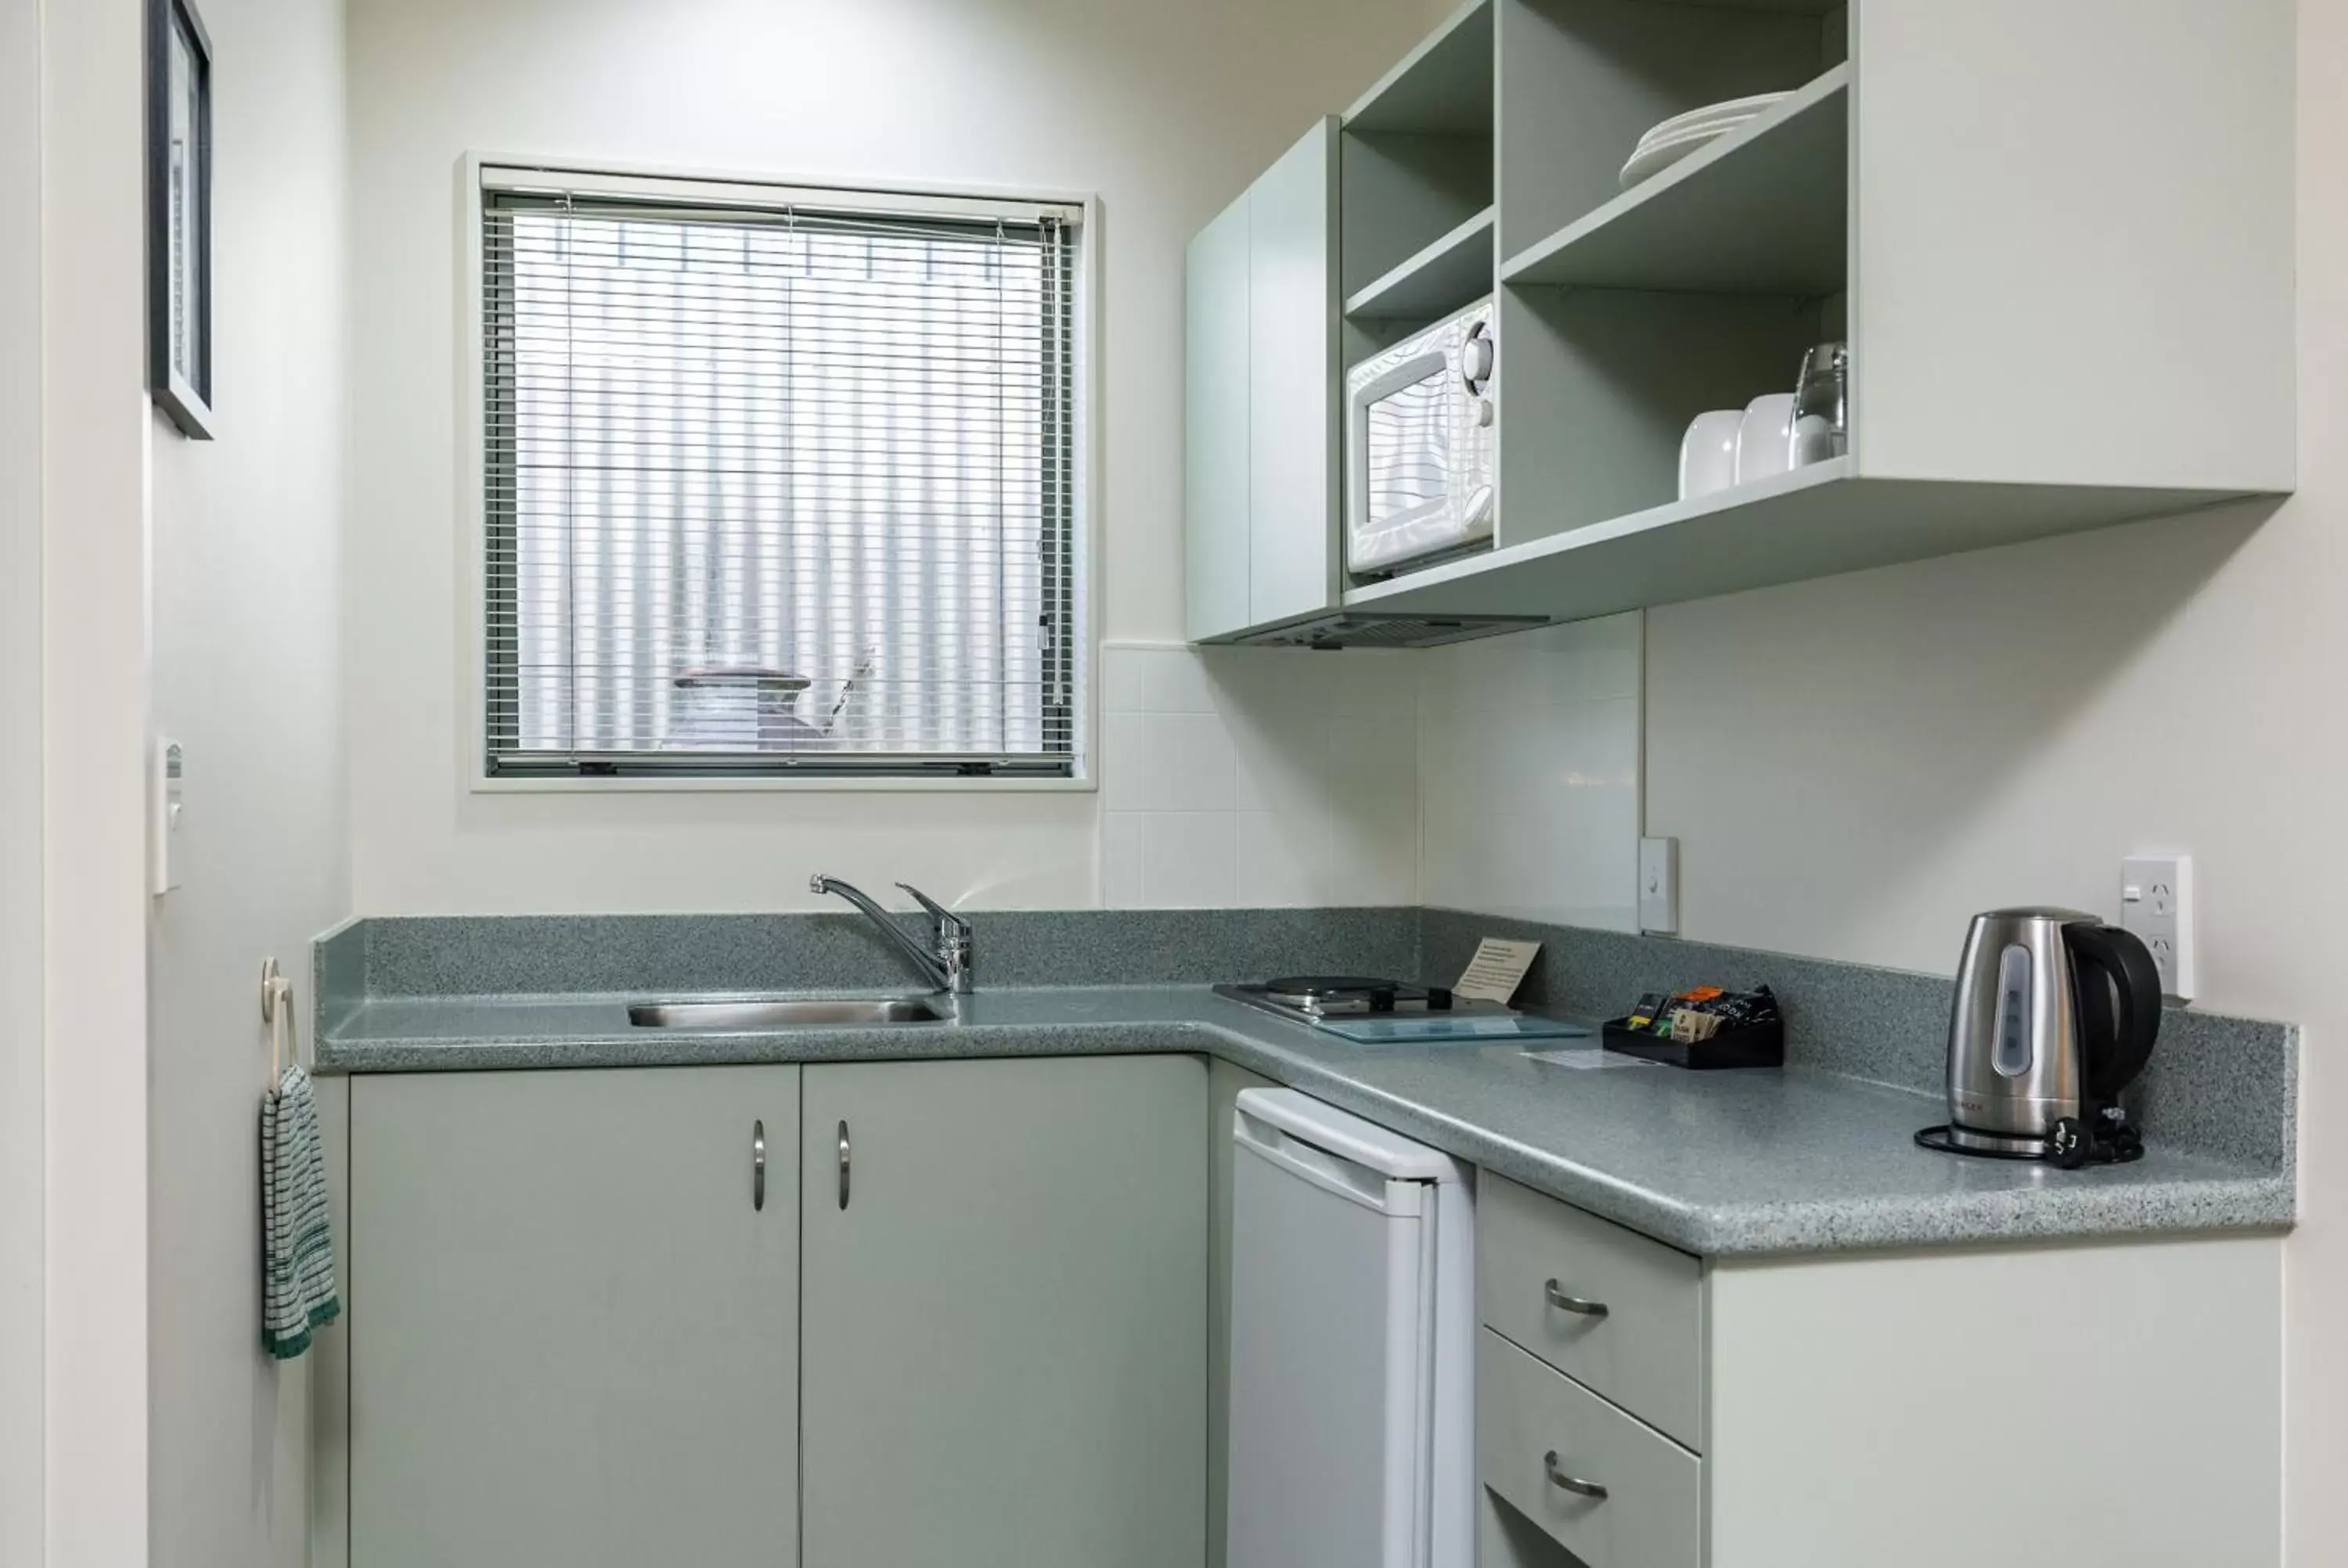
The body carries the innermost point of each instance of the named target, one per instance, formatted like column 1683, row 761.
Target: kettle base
column 2103, row 1141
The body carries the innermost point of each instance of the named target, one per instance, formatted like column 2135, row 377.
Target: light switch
column 164, row 800
column 1659, row 884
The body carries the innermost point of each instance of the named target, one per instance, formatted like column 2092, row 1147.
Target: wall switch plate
column 163, row 833
column 1659, row 884
column 2157, row 904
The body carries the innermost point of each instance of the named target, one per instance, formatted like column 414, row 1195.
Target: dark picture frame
column 179, row 215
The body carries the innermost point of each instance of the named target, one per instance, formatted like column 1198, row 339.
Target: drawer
column 1537, row 1428
column 1542, row 1269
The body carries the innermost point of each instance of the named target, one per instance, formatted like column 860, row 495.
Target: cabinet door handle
column 758, row 1166
column 1572, row 1484
column 843, row 1164
column 1575, row 1304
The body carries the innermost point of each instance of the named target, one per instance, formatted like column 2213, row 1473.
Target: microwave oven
column 1419, row 445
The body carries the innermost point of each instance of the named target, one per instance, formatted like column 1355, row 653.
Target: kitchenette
column 1294, row 1122
column 843, row 1224
column 1274, row 783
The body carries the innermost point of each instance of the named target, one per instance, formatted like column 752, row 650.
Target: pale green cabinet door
column 1292, row 408
column 1005, row 1314
column 574, row 1327
column 1215, row 426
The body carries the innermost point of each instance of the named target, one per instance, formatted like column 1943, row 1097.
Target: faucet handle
column 946, row 919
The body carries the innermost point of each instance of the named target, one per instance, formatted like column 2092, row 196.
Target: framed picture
column 179, row 215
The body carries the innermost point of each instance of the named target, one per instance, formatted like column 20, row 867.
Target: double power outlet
column 2157, row 904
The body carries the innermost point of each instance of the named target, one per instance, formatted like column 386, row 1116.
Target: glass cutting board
column 1433, row 1028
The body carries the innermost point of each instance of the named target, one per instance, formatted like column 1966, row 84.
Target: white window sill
column 776, row 785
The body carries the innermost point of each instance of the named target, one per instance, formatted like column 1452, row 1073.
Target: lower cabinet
column 1003, row 1278
column 574, row 1327
column 876, row 1315
column 957, row 1314
column 1542, row 1441
column 2089, row 1403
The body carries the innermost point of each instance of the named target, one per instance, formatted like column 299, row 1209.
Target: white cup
column 1765, row 437
column 1708, row 453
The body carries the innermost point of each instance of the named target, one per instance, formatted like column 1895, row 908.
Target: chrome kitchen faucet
column 949, row 966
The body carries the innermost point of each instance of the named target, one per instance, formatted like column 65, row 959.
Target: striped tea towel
column 297, row 1283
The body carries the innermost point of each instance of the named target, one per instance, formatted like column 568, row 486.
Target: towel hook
column 277, row 1012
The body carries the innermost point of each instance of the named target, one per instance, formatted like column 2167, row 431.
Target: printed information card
column 1497, row 970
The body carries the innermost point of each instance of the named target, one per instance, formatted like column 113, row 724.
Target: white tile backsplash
column 1257, row 777
column 1189, row 858
column 1500, row 775
column 1122, row 883
column 1189, row 763
column 1137, row 680
column 1121, row 760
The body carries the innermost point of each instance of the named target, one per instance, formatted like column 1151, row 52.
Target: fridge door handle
column 1331, row 1172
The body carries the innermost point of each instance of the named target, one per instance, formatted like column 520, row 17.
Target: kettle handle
column 2113, row 1063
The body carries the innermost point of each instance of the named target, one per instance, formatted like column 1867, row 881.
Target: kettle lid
column 2041, row 912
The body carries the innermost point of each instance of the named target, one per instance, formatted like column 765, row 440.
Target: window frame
column 480, row 171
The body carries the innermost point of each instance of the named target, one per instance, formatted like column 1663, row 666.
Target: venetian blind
column 779, row 488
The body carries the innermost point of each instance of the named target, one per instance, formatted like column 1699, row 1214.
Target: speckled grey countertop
column 1733, row 1163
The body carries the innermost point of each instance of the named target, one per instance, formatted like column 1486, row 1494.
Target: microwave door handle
column 1408, row 374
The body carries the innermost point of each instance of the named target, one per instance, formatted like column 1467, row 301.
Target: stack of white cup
column 1729, row 446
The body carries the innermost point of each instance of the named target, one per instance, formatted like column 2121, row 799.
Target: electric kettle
column 2055, row 1013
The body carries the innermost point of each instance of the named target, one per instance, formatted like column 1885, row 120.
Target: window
column 777, row 482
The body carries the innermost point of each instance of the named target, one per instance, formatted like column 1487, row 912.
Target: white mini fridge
column 1353, row 1343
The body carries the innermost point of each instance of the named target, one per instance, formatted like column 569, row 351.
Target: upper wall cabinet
column 1260, row 468
column 2055, row 235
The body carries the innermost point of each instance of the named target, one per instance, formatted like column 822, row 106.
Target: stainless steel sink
column 785, row 1012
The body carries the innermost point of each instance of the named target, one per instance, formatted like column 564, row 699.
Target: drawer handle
column 1564, row 1303
column 1572, row 1484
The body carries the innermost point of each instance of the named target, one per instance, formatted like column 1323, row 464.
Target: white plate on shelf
column 1649, row 161
column 1713, row 114
column 1682, row 135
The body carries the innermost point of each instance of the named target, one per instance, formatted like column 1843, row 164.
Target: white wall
column 1528, row 774
column 94, row 665
column 1164, row 110
column 247, row 678
column 1854, row 766
column 21, row 1181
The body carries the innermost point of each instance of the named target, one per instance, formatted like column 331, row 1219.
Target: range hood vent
column 1361, row 629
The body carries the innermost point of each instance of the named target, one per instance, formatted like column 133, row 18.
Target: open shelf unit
column 1443, row 87
column 1621, row 315
column 2013, row 241
column 1415, row 178
column 1598, row 386
column 1764, row 209
column 1453, row 271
